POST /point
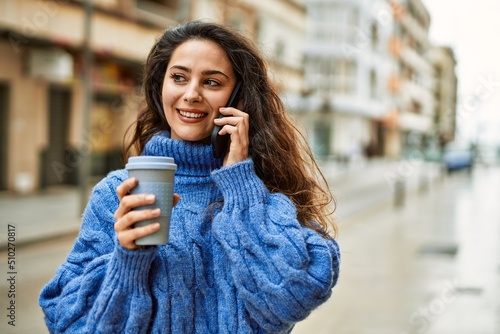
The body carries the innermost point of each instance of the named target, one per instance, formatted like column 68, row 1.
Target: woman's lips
column 191, row 115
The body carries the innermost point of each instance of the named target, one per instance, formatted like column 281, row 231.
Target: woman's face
column 198, row 81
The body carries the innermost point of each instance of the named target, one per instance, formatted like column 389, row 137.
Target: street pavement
column 425, row 261
column 48, row 214
column 431, row 266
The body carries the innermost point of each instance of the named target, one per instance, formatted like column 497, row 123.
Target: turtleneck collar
column 192, row 159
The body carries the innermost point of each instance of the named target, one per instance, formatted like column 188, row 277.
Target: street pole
column 85, row 149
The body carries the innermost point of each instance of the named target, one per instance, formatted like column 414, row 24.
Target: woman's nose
column 192, row 94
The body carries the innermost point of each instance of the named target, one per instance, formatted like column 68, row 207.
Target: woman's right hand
column 125, row 217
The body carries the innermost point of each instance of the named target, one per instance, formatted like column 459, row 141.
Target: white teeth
column 191, row 114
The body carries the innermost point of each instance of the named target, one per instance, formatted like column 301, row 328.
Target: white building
column 369, row 80
column 348, row 68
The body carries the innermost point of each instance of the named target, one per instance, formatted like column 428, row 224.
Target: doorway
column 55, row 170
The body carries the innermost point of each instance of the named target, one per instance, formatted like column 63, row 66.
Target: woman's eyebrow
column 182, row 68
column 214, row 72
column 206, row 72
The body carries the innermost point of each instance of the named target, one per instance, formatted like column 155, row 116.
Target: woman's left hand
column 235, row 123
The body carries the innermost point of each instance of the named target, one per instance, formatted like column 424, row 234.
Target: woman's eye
column 177, row 77
column 211, row 82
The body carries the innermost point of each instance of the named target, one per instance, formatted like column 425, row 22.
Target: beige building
column 43, row 137
column 445, row 93
column 413, row 84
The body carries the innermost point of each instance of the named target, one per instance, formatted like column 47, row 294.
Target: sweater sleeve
column 102, row 287
column 281, row 270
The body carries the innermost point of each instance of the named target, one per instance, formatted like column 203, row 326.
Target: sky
column 471, row 28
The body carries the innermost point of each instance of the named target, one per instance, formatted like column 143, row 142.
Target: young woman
column 251, row 247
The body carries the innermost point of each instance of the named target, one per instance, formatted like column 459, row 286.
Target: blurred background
column 399, row 100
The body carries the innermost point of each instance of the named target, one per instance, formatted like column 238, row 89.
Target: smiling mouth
column 191, row 114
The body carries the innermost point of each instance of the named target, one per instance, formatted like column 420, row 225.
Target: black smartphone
column 220, row 143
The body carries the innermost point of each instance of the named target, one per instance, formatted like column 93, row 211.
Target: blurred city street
column 429, row 265
column 390, row 95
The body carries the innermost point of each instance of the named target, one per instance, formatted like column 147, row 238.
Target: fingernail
column 150, row 198
column 155, row 211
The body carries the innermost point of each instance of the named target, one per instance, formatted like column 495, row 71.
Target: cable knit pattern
column 238, row 261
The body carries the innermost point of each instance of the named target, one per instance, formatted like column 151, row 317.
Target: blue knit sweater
column 245, row 266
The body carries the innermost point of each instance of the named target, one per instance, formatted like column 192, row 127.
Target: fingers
column 236, row 124
column 124, row 188
column 129, row 202
column 126, row 217
column 127, row 238
column 126, row 232
column 127, row 221
column 234, row 119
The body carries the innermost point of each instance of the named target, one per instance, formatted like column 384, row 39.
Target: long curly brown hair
column 281, row 155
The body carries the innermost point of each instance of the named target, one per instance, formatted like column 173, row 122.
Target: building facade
column 370, row 79
column 445, row 94
column 348, row 67
column 414, row 80
column 44, row 137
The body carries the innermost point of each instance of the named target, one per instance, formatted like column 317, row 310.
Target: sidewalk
column 363, row 185
column 56, row 212
column 45, row 215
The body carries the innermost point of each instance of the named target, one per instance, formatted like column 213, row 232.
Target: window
column 373, row 84
column 416, row 107
column 354, row 17
column 374, row 35
column 279, row 51
column 167, row 3
column 344, row 76
column 161, row 8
